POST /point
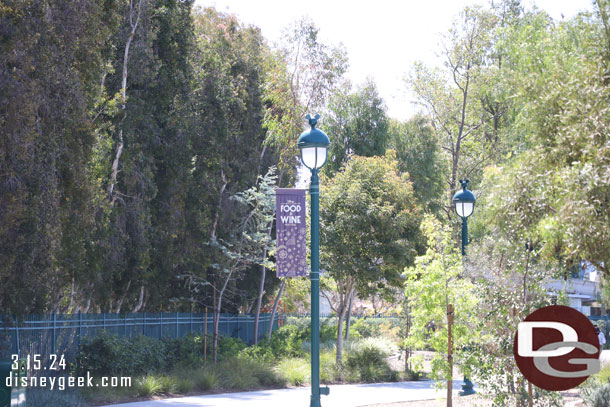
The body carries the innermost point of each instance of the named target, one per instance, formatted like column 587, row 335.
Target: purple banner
column 291, row 257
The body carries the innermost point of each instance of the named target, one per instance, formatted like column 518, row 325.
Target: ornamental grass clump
column 295, row 371
column 148, row 385
column 366, row 361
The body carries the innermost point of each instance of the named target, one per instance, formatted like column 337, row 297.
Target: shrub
column 367, row 360
column 227, row 347
column 266, row 376
column 361, row 328
column 328, row 330
column 287, row 341
column 146, row 354
column 295, row 371
column 205, row 380
column 370, row 327
column 151, row 385
column 244, row 374
column 101, row 355
column 184, row 384
column 598, row 396
column 328, row 368
column 261, row 353
column 384, row 346
column 148, row 385
column 596, row 390
column 110, row 355
column 292, row 340
column 186, row 352
column 603, row 376
column 168, row 384
column 411, row 375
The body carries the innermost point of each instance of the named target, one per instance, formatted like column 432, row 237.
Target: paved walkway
column 345, row 395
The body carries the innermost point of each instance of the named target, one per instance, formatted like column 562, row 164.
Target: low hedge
column 111, row 355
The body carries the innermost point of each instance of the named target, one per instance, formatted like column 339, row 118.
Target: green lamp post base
column 467, row 388
column 315, row 400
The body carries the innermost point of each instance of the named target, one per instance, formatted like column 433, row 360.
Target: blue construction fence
column 61, row 334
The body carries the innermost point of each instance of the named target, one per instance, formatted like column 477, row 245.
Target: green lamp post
column 314, row 145
column 463, row 202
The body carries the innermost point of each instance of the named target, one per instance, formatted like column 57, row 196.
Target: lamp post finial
column 313, row 120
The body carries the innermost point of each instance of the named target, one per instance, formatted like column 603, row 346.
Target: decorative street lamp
column 314, row 145
column 464, row 206
column 464, row 201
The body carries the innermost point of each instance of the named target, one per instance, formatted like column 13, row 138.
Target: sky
column 383, row 38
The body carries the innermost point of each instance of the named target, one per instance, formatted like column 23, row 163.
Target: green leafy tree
column 358, row 124
column 142, row 225
column 419, row 154
column 227, row 140
column 510, row 277
column 247, row 246
column 464, row 110
column 559, row 180
column 441, row 301
column 369, row 230
column 302, row 72
column 300, row 75
column 52, row 59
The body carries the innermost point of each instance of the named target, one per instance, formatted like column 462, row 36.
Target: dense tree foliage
column 419, row 154
column 126, row 128
column 53, row 56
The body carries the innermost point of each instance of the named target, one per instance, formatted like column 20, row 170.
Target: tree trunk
column 407, row 332
column 215, row 334
column 140, row 303
column 86, row 309
column 450, row 355
column 349, row 315
column 72, row 292
column 119, row 304
column 341, row 316
column 214, row 326
column 115, row 168
column 120, row 144
column 218, row 306
column 217, row 215
column 261, row 289
column 259, row 300
column 274, row 310
column 205, row 337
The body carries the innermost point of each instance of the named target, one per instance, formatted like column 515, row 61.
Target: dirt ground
column 466, row 401
column 570, row 399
